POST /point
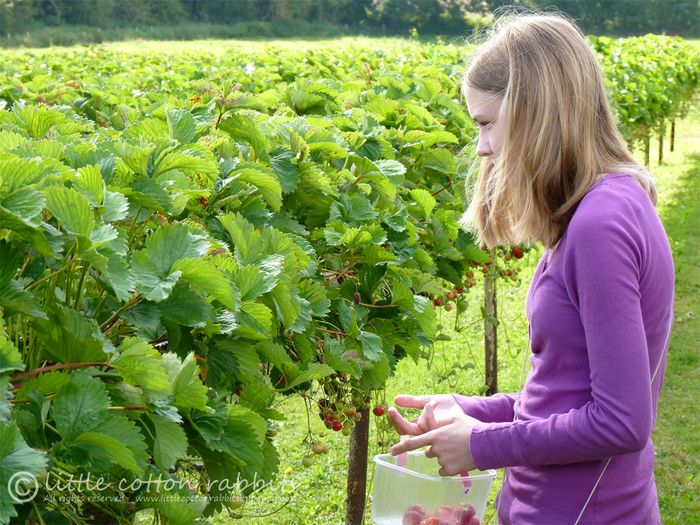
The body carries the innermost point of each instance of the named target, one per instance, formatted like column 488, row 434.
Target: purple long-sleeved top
column 600, row 311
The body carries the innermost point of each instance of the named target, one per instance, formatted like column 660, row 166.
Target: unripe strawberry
column 307, row 461
column 470, row 274
column 448, row 307
column 319, row 448
column 357, row 298
column 451, row 295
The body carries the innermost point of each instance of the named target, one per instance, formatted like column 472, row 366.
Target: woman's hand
column 442, row 426
column 436, row 408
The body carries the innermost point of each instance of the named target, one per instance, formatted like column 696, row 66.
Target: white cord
column 653, row 377
column 516, row 406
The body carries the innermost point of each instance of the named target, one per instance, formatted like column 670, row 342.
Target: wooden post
column 357, row 470
column 490, row 335
column 673, row 133
column 661, row 142
column 647, row 148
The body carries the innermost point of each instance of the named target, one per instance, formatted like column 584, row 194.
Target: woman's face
column 486, row 110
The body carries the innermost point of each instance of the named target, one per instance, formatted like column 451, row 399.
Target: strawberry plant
column 182, row 241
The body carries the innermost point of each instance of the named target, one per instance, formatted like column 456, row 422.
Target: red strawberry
column 379, row 410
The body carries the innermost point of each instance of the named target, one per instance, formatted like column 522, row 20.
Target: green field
column 120, row 99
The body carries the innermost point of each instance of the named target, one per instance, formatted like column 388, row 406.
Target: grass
column 219, row 46
column 71, row 35
column 676, row 435
column 315, row 495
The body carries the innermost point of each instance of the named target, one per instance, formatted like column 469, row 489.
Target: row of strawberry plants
column 652, row 80
column 161, row 283
column 176, row 252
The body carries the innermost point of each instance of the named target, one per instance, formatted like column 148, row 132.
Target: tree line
column 614, row 17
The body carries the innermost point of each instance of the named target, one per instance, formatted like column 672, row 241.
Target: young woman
column 554, row 169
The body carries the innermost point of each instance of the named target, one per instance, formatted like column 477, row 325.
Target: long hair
column 560, row 132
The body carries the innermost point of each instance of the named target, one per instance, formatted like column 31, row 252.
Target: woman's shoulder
column 614, row 198
column 615, row 211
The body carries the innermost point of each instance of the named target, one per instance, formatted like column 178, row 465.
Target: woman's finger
column 412, row 443
column 402, row 425
column 408, row 401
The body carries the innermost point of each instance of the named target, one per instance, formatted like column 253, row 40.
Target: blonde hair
column 560, row 132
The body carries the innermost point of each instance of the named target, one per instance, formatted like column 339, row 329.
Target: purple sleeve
column 493, row 409
column 601, row 273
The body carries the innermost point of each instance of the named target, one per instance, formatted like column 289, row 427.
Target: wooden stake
column 490, row 335
column 357, row 470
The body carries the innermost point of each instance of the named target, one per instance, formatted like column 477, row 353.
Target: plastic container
column 408, row 490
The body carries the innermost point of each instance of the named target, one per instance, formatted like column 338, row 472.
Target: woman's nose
column 483, row 149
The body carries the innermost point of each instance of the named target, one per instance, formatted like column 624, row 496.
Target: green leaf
column 267, row 184
column 45, row 384
column 371, row 345
column 25, row 206
column 191, row 160
column 10, row 358
column 114, row 207
column 149, row 194
column 177, row 506
column 170, row 442
column 91, row 184
column 186, row 307
column 374, row 377
column 209, row 278
column 14, row 299
column 252, row 282
column 10, row 261
column 115, row 270
column 188, row 390
column 140, row 364
column 392, row 170
column 173, row 242
column 80, row 406
column 181, row 125
column 15, row 456
column 71, row 209
column 312, row 371
column 117, row 452
column 284, row 165
column 287, row 306
column 241, row 127
column 70, row 337
column 245, row 239
column 440, row 160
column 425, row 200
column 121, row 428
column 148, row 280
column 254, row 321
